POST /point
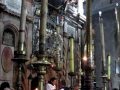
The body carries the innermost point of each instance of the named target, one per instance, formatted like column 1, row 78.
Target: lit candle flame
column 100, row 13
column 85, row 58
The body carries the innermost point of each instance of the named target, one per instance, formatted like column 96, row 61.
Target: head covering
column 53, row 78
column 7, row 89
column 4, row 85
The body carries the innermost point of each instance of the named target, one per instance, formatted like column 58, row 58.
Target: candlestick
column 104, row 73
column 118, row 25
column 71, row 54
column 109, row 66
column 102, row 39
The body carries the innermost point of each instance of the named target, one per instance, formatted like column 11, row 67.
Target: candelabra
column 104, row 75
column 20, row 54
column 89, row 67
column 42, row 62
column 71, row 72
column 40, row 67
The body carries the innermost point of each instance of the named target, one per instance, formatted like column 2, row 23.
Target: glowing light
column 117, row 4
column 85, row 58
column 100, row 13
column 36, row 88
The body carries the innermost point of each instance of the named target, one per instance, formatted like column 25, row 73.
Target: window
column 8, row 37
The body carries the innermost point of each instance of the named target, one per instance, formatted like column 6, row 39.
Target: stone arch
column 13, row 30
column 7, row 51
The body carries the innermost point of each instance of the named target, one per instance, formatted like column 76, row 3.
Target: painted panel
column 6, row 59
column 6, row 63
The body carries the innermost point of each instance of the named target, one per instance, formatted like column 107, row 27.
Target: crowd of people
column 51, row 85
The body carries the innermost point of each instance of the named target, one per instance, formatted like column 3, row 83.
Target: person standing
column 76, row 87
column 51, row 85
column 63, row 85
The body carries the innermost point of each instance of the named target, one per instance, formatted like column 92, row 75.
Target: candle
column 71, row 54
column 102, row 40
column 109, row 66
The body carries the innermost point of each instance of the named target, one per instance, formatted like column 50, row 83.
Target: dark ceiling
column 55, row 3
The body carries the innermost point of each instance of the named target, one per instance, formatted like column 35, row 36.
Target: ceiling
column 55, row 3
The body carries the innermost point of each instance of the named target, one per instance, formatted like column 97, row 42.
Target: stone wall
column 11, row 20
